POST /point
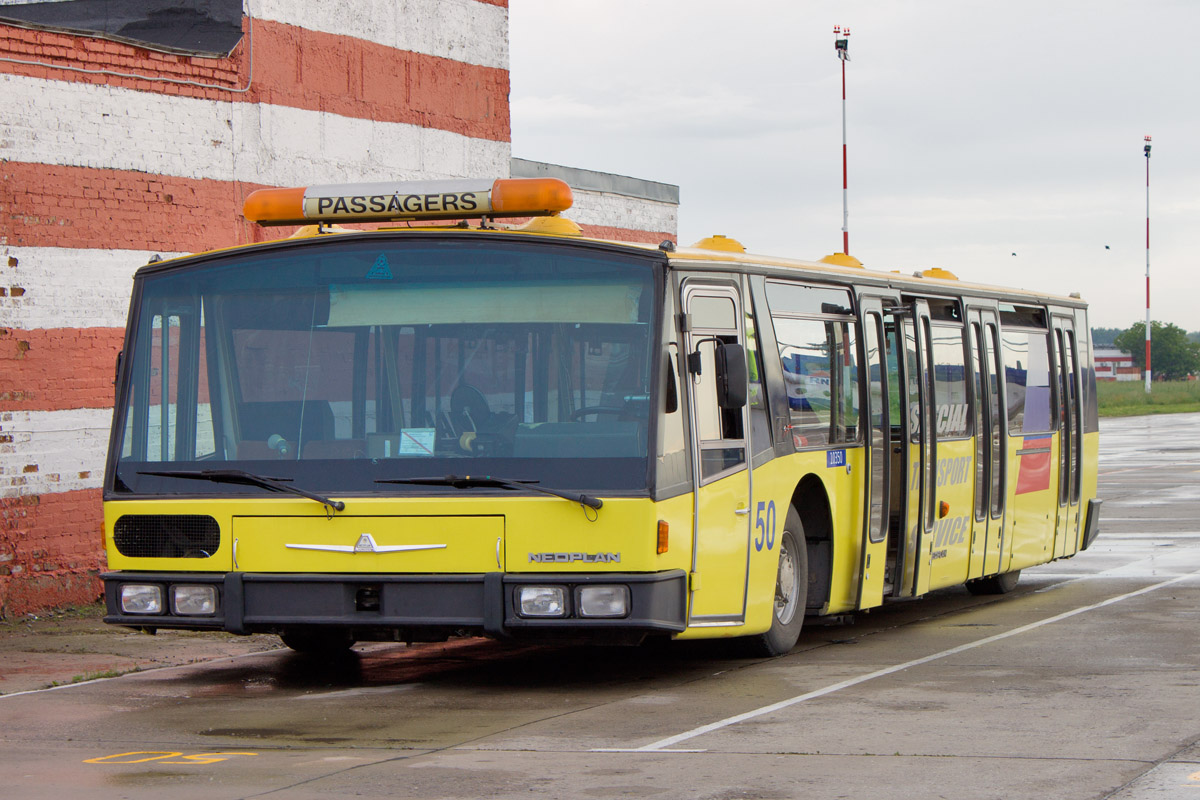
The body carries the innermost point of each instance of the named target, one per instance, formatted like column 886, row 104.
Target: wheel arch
column 811, row 501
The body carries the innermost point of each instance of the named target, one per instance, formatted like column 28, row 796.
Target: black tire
column 791, row 594
column 995, row 584
column 318, row 642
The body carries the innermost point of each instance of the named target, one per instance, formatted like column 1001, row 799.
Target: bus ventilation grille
column 167, row 536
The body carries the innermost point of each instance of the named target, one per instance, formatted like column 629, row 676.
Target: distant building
column 1115, row 365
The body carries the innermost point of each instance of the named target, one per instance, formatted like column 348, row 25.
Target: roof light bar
column 405, row 200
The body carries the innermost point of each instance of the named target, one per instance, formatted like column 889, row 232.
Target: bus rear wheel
column 791, row 593
column 317, row 642
column 995, row 584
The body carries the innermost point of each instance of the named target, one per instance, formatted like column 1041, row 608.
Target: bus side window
column 174, row 396
column 950, row 379
column 715, row 319
column 1027, row 381
column 820, row 371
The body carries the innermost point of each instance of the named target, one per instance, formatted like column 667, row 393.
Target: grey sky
column 976, row 130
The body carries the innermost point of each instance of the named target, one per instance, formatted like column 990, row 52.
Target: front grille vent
column 166, row 536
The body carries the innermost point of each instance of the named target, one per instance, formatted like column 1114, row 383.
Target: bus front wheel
column 791, row 593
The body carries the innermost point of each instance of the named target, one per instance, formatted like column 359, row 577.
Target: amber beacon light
column 407, row 200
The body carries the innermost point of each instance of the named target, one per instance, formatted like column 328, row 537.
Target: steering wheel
column 588, row 410
column 468, row 408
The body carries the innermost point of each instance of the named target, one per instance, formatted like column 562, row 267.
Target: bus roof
column 710, row 253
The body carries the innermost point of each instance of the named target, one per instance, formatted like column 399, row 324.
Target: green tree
column 1104, row 337
column 1172, row 355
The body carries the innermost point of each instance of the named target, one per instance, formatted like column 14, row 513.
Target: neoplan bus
column 414, row 433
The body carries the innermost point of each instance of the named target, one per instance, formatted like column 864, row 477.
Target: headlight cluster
column 186, row 600
column 601, row 601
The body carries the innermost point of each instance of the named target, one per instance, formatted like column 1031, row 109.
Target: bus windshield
column 340, row 363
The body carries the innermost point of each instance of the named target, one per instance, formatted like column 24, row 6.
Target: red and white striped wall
column 111, row 153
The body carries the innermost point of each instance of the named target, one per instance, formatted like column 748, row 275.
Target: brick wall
column 111, row 153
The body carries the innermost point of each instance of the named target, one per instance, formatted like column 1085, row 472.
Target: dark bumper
column 404, row 606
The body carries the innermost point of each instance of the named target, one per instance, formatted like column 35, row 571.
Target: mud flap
column 1091, row 528
column 233, row 603
column 493, row 604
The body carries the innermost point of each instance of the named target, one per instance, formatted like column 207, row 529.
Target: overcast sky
column 977, row 130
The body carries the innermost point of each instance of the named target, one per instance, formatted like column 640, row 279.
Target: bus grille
column 167, row 536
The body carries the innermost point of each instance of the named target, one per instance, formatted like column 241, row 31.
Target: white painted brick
column 191, row 138
column 62, row 444
column 460, row 30
column 620, row 211
column 68, row 288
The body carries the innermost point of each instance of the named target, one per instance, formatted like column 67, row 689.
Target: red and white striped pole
column 1147, row 150
column 841, row 46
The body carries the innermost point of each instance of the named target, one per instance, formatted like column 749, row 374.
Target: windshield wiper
column 471, row 482
column 248, row 478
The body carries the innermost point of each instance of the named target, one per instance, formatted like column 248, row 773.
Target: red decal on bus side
column 1034, row 471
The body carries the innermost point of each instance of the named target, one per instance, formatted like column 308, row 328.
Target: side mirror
column 730, row 361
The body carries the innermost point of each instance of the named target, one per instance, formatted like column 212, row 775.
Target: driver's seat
column 469, row 411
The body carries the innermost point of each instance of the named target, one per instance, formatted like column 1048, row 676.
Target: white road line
column 1146, row 519
column 662, row 744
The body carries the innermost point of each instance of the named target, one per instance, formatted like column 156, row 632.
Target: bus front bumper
column 404, row 607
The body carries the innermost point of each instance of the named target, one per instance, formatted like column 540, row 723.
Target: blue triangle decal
column 380, row 271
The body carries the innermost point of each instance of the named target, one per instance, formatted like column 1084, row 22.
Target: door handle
column 741, row 512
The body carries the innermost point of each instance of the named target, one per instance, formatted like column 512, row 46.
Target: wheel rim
column 787, row 581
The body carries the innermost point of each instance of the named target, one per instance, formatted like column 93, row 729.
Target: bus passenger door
column 915, row 498
column 1070, row 438
column 987, row 542
column 882, row 411
column 721, row 480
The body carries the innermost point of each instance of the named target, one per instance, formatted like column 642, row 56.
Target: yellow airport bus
column 413, row 433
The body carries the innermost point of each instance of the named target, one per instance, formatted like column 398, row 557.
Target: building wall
column 1115, row 365
column 112, row 152
column 613, row 206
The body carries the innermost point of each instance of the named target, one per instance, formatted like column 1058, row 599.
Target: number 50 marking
column 765, row 525
column 161, row 755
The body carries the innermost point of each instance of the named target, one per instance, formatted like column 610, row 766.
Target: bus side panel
column 834, row 544
column 775, row 482
column 845, row 486
column 955, row 477
column 773, row 485
column 1032, row 498
column 1091, row 422
column 1088, row 487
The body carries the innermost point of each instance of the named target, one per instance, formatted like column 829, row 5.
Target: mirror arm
column 693, row 359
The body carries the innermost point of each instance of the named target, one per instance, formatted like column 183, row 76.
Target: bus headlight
column 541, row 601
column 189, row 601
column 603, row 601
column 141, row 598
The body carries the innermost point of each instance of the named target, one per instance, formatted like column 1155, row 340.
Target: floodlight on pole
column 841, row 46
column 1147, row 151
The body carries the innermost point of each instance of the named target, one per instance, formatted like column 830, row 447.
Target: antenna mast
column 841, row 46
